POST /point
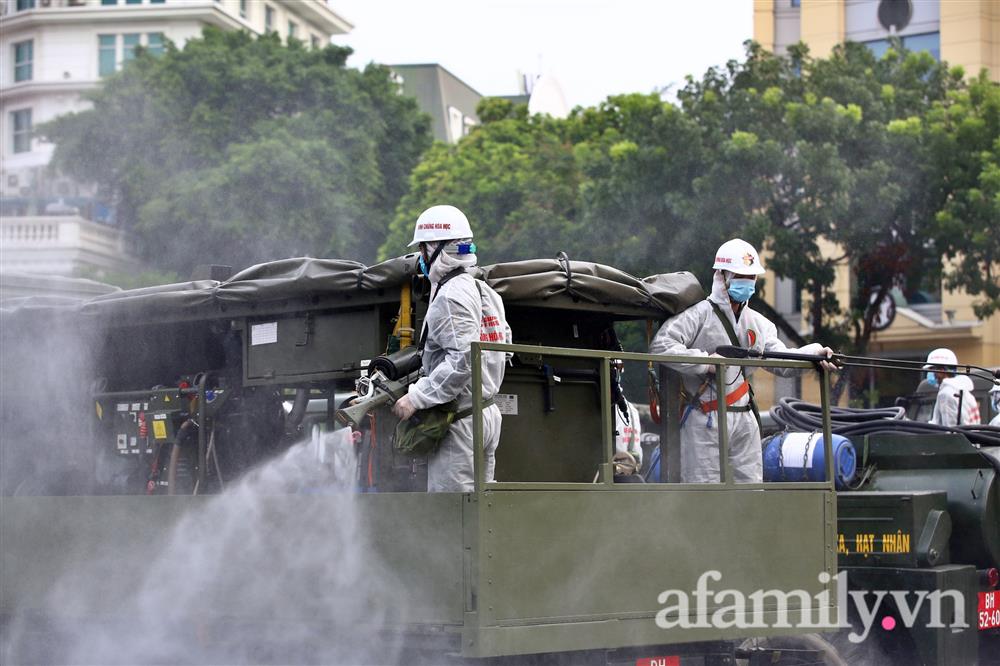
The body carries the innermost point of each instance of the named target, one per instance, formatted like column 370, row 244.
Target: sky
column 592, row 48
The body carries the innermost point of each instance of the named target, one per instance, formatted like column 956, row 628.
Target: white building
column 51, row 51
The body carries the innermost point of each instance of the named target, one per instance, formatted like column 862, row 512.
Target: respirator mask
column 741, row 289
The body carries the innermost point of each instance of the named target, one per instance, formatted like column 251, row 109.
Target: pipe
column 175, row 454
column 299, row 408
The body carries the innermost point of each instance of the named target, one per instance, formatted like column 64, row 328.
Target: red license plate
column 658, row 661
column 989, row 610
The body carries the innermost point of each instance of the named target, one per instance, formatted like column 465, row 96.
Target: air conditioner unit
column 12, row 180
column 77, row 3
column 44, row 3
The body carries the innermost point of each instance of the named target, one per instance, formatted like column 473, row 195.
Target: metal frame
column 490, row 630
column 607, row 481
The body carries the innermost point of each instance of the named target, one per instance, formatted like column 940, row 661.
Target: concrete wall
column 822, row 25
column 763, row 23
column 970, row 35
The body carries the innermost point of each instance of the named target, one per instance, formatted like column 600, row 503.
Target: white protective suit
column 946, row 405
column 697, row 331
column 629, row 434
column 459, row 313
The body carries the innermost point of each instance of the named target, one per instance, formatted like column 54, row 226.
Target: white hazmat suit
column 953, row 390
column 461, row 311
column 697, row 332
column 628, row 435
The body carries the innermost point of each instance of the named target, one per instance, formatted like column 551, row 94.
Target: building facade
column 960, row 32
column 53, row 51
column 450, row 101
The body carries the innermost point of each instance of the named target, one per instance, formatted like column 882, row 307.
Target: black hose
column 299, row 408
column 850, row 422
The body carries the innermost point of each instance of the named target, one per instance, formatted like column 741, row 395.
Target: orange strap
column 740, row 391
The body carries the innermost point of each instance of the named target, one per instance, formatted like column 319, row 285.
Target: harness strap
column 467, row 412
column 733, row 339
column 423, row 329
column 741, row 390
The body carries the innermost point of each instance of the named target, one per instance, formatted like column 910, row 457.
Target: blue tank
column 799, row 456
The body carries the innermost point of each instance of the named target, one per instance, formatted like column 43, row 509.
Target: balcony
column 86, row 12
column 62, row 245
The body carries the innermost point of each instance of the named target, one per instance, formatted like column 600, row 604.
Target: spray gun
column 858, row 362
column 388, row 379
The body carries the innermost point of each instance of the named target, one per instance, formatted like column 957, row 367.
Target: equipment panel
column 309, row 347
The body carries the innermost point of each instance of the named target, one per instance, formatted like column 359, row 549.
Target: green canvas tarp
column 535, row 281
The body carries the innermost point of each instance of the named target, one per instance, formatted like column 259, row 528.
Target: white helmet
column 739, row 257
column 441, row 223
column 941, row 356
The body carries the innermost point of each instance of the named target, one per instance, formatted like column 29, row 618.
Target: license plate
column 658, row 661
column 989, row 610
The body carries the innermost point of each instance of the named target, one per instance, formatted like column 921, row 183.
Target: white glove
column 404, row 408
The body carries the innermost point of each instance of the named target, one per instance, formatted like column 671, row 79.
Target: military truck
column 168, row 494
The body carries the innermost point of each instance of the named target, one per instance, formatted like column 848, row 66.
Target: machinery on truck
column 127, row 417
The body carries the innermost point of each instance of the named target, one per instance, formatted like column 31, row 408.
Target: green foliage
column 514, row 177
column 963, row 132
column 238, row 149
column 893, row 160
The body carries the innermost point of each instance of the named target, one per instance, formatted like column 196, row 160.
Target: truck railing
column 606, row 477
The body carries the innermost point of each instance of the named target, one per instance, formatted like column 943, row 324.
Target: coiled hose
column 796, row 414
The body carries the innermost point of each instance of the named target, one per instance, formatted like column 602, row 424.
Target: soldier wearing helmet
column 461, row 310
column 955, row 403
column 724, row 318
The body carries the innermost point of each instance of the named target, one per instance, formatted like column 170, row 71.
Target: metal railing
column 606, row 481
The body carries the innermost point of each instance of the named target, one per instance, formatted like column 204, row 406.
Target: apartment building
column 53, row 51
column 962, row 32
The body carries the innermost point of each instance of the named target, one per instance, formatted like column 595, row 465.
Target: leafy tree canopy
column 890, row 161
column 238, row 149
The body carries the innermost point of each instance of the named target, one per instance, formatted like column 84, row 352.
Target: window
column 25, row 4
column 106, row 54
column 929, row 41
column 133, row 2
column 268, row 18
column 24, row 55
column 795, row 3
column 243, row 8
column 109, row 2
column 314, row 41
column 154, row 43
column 456, row 127
column 129, row 42
column 21, row 122
column 156, row 2
column 292, row 29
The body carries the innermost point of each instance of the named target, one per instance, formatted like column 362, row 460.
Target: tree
column 238, row 149
column 820, row 150
column 514, row 176
column 963, row 135
column 879, row 166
